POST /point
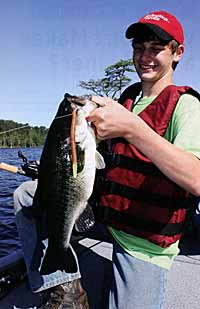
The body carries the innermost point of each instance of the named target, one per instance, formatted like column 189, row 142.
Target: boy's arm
column 182, row 167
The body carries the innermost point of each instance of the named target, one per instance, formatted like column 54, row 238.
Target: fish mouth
column 79, row 100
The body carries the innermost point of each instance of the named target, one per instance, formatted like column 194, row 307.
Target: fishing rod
column 11, row 168
column 30, row 168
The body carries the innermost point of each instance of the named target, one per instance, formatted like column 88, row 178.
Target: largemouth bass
column 61, row 195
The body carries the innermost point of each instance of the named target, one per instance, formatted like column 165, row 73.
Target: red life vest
column 135, row 196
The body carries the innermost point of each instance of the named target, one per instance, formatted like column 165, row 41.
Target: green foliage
column 113, row 82
column 21, row 135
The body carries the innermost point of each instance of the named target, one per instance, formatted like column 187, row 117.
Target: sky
column 49, row 46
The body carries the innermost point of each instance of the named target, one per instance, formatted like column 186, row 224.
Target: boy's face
column 153, row 60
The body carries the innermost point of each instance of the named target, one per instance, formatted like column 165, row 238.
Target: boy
column 152, row 164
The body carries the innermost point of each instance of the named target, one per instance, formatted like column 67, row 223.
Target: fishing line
column 14, row 129
column 58, row 117
column 27, row 125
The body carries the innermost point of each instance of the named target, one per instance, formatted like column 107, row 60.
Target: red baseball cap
column 163, row 24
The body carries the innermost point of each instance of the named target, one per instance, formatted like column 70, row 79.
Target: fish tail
column 58, row 259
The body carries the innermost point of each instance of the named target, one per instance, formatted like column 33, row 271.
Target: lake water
column 9, row 240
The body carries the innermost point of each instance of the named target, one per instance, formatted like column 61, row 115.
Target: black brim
column 137, row 28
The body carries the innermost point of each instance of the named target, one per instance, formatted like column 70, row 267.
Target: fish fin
column 58, row 259
column 100, row 164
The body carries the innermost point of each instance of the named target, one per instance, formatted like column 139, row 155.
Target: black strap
column 154, row 199
column 170, row 229
column 118, row 160
column 193, row 92
column 130, row 92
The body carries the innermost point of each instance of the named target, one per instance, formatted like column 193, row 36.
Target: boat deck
column 182, row 288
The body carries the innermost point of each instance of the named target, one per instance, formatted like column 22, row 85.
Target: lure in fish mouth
column 62, row 196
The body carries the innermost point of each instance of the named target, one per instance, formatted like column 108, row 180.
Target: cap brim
column 135, row 29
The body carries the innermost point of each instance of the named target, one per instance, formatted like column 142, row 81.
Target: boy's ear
column 179, row 52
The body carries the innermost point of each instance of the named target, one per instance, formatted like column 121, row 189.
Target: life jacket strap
column 109, row 215
column 155, row 199
column 118, row 160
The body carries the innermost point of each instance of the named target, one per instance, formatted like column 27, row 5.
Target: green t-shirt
column 183, row 131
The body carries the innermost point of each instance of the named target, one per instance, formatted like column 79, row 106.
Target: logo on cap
column 156, row 17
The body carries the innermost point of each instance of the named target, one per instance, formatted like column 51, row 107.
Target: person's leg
column 136, row 284
column 26, row 224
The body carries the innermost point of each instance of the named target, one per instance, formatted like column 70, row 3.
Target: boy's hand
column 111, row 119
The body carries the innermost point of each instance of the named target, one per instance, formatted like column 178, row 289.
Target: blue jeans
column 136, row 284
column 26, row 225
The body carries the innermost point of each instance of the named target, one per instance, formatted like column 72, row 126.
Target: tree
column 113, row 82
column 13, row 134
